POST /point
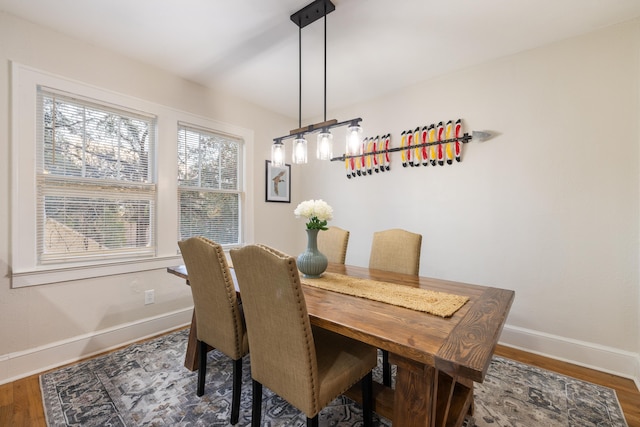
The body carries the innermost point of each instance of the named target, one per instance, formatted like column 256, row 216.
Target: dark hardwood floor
column 21, row 402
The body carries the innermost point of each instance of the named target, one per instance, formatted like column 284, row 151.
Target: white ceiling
column 250, row 47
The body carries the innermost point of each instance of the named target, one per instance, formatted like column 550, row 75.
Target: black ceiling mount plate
column 312, row 12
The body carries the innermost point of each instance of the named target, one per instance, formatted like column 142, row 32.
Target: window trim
column 25, row 270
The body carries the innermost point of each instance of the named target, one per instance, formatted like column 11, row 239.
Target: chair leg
column 202, row 366
column 386, row 369
column 237, row 387
column 256, row 409
column 367, row 399
column 312, row 422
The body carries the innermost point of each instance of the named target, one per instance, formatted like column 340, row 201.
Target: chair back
column 219, row 321
column 283, row 355
column 396, row 250
column 333, row 244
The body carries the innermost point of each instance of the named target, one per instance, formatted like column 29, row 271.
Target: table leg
column 413, row 402
column 427, row 397
column 191, row 357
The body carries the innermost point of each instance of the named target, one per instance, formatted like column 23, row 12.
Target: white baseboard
column 606, row 359
column 22, row 364
column 637, row 373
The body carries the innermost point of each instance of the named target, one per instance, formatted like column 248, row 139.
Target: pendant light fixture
column 299, row 152
column 277, row 153
column 305, row 16
column 325, row 145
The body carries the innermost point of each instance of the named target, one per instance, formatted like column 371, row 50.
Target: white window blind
column 95, row 182
column 209, row 184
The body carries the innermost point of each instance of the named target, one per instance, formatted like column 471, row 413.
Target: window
column 96, row 193
column 209, row 185
column 93, row 181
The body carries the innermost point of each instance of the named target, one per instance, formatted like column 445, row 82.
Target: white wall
column 42, row 326
column 548, row 208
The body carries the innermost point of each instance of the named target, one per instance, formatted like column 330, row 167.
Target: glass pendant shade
column 299, row 153
column 277, row 154
column 325, row 146
column 354, row 140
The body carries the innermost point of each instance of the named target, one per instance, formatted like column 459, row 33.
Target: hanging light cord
column 325, row 62
column 299, row 77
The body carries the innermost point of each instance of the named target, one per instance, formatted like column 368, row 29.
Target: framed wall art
column 278, row 183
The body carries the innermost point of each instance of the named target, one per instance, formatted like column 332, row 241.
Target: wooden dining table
column 438, row 359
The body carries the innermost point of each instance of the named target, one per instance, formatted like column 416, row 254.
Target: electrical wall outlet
column 149, row 297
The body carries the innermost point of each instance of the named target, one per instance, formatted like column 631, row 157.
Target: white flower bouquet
column 317, row 212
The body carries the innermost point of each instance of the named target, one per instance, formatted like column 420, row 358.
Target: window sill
column 56, row 275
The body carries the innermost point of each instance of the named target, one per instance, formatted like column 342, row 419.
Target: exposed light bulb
column 299, row 153
column 325, row 146
column 277, row 154
column 354, row 140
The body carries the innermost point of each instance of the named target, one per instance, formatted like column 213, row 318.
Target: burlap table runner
column 437, row 303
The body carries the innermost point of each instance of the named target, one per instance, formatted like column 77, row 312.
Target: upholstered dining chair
column 305, row 365
column 219, row 319
column 398, row 251
column 333, row 244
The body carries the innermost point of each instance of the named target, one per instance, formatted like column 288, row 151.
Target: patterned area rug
column 146, row 384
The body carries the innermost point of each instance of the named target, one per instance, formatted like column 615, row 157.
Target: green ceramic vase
column 312, row 263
